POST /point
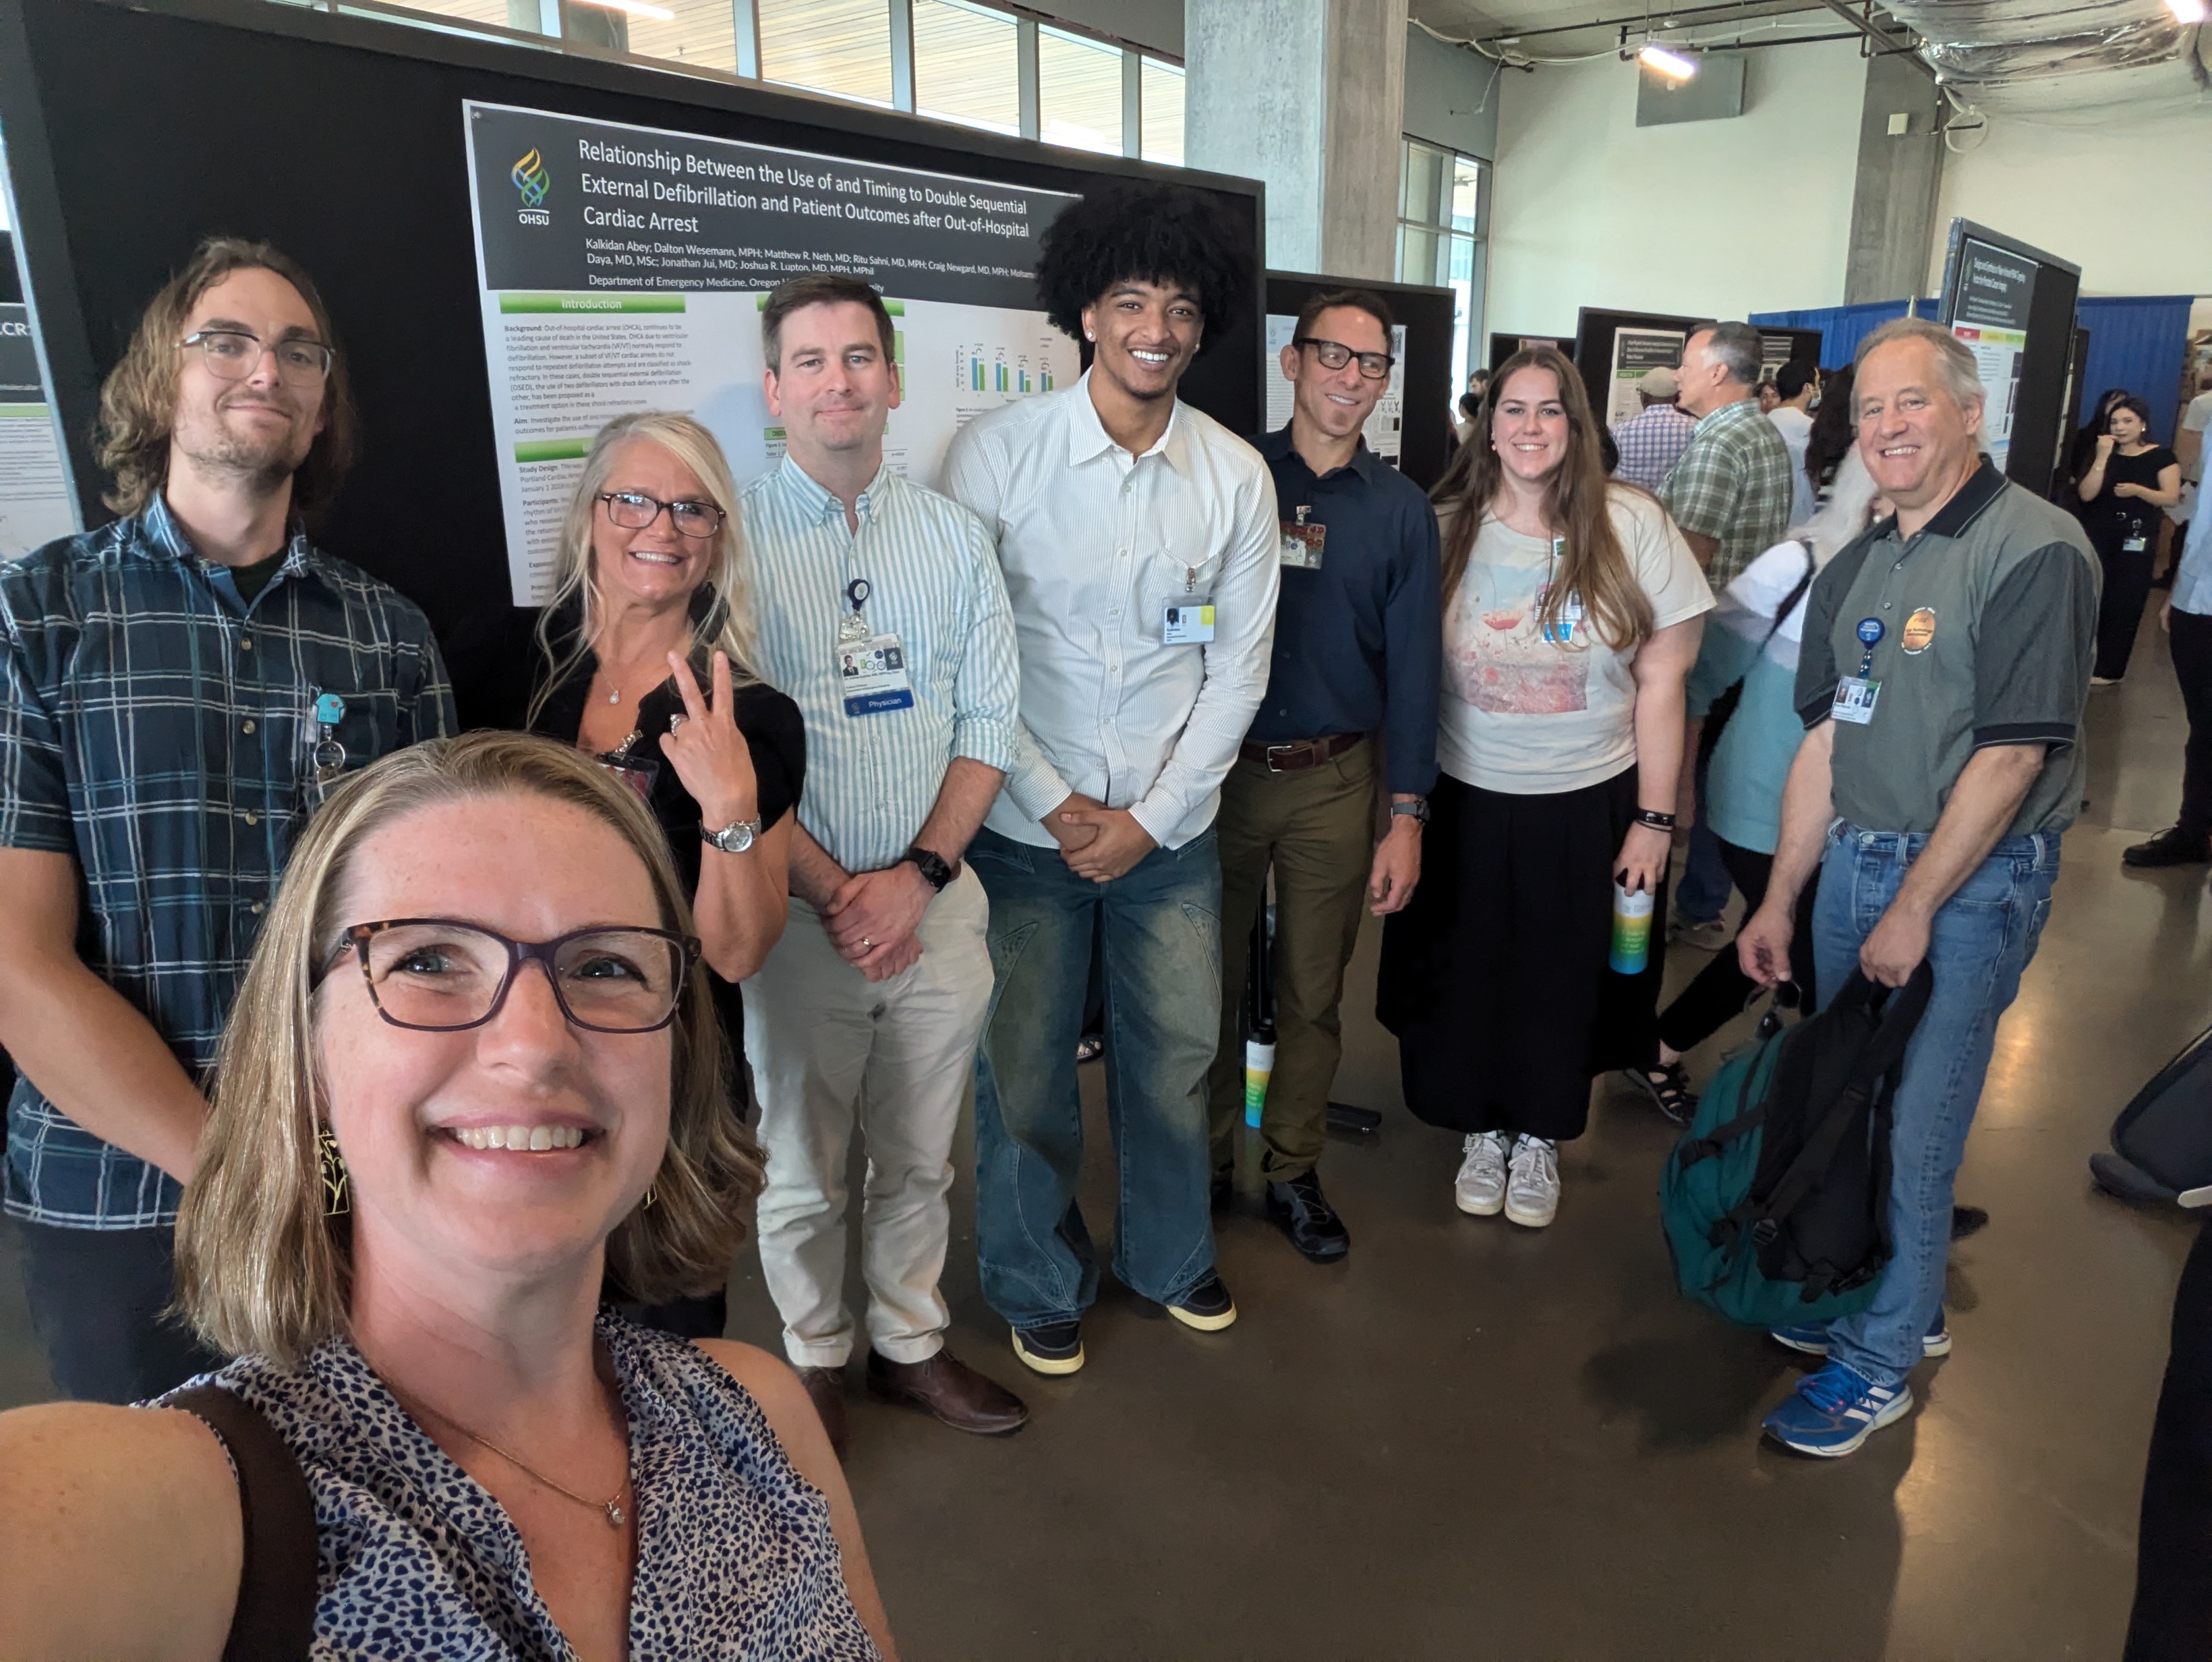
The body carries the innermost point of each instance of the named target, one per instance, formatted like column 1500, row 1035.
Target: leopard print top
column 735, row 1557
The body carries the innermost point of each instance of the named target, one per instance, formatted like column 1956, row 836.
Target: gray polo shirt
column 1987, row 626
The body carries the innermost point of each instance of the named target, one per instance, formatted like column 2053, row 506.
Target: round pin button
column 1870, row 630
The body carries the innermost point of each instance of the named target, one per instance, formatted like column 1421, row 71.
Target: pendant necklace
column 611, row 1506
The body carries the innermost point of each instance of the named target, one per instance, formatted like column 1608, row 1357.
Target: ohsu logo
column 531, row 180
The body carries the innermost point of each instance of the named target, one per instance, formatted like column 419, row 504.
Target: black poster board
column 1778, row 346
column 1428, row 316
column 1596, row 334
column 2013, row 305
column 341, row 140
column 1504, row 345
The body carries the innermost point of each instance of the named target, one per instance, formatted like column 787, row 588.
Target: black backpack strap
column 275, row 1620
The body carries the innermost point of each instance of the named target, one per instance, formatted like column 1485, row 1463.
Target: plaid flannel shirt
column 160, row 732
column 1733, row 485
column 1651, row 442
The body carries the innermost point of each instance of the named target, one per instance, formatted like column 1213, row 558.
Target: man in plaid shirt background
column 177, row 690
column 1652, row 441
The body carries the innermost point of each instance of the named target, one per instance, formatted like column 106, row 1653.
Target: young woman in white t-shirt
column 1572, row 612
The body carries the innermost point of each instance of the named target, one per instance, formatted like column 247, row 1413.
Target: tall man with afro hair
column 1138, row 541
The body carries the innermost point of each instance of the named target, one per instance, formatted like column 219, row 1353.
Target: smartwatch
column 1416, row 810
column 733, row 838
column 932, row 867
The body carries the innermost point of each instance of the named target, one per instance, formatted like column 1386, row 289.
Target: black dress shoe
column 1304, row 1214
column 826, row 1388
column 2171, row 847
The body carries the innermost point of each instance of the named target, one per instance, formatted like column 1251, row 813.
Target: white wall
column 1708, row 218
column 2126, row 195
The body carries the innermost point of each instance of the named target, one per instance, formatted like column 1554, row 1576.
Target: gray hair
column 1955, row 365
column 1734, row 346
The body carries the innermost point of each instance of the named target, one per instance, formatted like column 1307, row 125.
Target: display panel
column 2012, row 305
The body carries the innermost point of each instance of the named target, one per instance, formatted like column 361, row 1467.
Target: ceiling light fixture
column 2186, row 11
column 1677, row 67
column 637, row 8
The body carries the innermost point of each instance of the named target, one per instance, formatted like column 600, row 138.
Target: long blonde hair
column 725, row 624
column 261, row 1269
column 1577, row 504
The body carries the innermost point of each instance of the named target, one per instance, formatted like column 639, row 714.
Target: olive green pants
column 1315, row 827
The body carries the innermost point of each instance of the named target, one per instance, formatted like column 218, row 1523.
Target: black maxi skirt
column 1494, row 978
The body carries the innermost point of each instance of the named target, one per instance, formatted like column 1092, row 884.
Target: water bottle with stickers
column 1632, row 929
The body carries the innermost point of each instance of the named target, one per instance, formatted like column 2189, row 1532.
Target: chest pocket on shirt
column 1167, row 579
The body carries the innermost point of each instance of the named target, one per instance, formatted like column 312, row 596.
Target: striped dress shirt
column 932, row 577
column 162, row 733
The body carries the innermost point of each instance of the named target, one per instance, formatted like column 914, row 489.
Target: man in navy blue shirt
column 1350, row 716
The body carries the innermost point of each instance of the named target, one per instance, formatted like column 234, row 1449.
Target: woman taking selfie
column 471, row 1068
column 1572, row 610
column 2127, row 486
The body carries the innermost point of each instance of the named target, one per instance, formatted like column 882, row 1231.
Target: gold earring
column 649, row 1198
column 335, row 1201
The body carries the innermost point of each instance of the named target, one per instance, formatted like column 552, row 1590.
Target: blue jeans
column 1982, row 939
column 1158, row 927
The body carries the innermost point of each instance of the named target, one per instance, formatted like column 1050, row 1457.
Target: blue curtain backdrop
column 1843, row 327
column 2137, row 342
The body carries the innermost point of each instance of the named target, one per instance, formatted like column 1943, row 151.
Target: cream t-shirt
column 1531, row 717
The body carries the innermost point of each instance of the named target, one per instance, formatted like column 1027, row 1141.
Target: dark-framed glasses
column 441, row 975
column 633, row 510
column 233, row 354
column 1334, row 354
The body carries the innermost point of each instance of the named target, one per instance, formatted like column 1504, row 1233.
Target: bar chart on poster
column 624, row 268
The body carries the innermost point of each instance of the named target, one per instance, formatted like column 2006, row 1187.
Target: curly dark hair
column 1163, row 234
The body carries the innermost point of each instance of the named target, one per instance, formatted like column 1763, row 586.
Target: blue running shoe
column 1812, row 1337
column 1832, row 1412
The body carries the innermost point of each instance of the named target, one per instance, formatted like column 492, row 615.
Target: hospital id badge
column 1854, row 700
column 1302, row 545
column 2134, row 544
column 873, row 672
column 1189, row 625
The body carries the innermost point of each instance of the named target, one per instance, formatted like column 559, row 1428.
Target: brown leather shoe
column 955, row 1392
column 825, row 1388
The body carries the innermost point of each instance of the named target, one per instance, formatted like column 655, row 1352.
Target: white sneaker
column 1480, row 1188
column 1532, row 1190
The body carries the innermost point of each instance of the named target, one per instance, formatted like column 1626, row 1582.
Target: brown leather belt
column 1298, row 753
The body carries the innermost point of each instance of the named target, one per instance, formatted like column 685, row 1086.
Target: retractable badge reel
column 871, row 667
column 326, row 755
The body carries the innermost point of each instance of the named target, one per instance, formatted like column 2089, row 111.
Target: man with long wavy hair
column 178, row 688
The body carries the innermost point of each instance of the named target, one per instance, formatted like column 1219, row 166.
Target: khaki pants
column 830, row 1049
column 1316, row 828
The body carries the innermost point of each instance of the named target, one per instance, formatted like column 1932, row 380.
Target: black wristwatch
column 932, row 867
column 1417, row 810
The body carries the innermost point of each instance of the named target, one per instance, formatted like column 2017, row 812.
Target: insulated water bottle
column 1631, row 930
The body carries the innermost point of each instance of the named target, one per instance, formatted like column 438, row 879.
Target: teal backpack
column 1775, row 1200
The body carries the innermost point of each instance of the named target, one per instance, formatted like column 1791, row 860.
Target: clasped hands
column 873, row 918
column 1099, row 842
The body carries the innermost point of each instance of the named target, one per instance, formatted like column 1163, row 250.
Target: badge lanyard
column 326, row 754
column 855, row 625
column 1561, row 633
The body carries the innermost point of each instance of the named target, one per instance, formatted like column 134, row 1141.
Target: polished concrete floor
column 1472, row 1440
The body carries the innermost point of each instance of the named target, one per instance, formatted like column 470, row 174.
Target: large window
column 840, row 46
column 1443, row 214
column 1162, row 95
column 1079, row 92
column 701, row 32
column 967, row 65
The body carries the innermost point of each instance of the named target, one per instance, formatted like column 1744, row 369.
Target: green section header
column 517, row 302
column 19, row 411
column 545, row 450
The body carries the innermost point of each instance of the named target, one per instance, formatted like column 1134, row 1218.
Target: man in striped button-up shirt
column 881, row 612
column 176, row 691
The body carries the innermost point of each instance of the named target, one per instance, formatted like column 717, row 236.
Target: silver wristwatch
column 733, row 838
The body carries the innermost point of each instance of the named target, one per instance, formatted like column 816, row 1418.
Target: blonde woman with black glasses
column 472, row 1068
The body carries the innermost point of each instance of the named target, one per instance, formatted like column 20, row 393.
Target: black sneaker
column 1299, row 1207
column 2171, row 847
column 1053, row 1347
column 1207, row 1306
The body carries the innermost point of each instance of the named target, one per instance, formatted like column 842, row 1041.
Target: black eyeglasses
column 1334, row 354
column 440, row 975
column 233, row 354
column 633, row 510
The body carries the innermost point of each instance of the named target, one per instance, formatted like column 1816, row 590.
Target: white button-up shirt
column 1097, row 545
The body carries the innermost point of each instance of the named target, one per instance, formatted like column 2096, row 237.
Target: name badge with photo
column 874, row 672
column 1189, row 625
column 1302, row 545
column 1854, row 699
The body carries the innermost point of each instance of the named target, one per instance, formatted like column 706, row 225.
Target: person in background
column 2129, row 479
column 866, row 1013
column 1798, row 385
column 1751, row 642
column 2085, row 438
column 1941, row 680
column 1768, row 394
column 2187, row 619
column 1730, row 495
column 2171, row 1620
column 178, row 689
column 1652, row 441
column 1348, row 730
column 2189, row 434
column 1470, row 407
column 644, row 661
column 471, row 1079
column 1834, row 435
column 1141, row 550
column 1572, row 609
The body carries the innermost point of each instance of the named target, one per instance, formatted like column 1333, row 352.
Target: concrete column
column 1894, row 201
column 1310, row 96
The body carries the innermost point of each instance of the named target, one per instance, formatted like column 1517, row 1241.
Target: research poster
column 1988, row 314
column 1385, row 423
column 1635, row 353
column 36, row 505
column 624, row 268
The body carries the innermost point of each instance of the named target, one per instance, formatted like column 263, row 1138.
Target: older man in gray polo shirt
column 1945, row 664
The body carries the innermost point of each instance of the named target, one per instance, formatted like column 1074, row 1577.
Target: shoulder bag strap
column 275, row 1620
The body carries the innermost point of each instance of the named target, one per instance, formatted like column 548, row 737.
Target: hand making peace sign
column 708, row 753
